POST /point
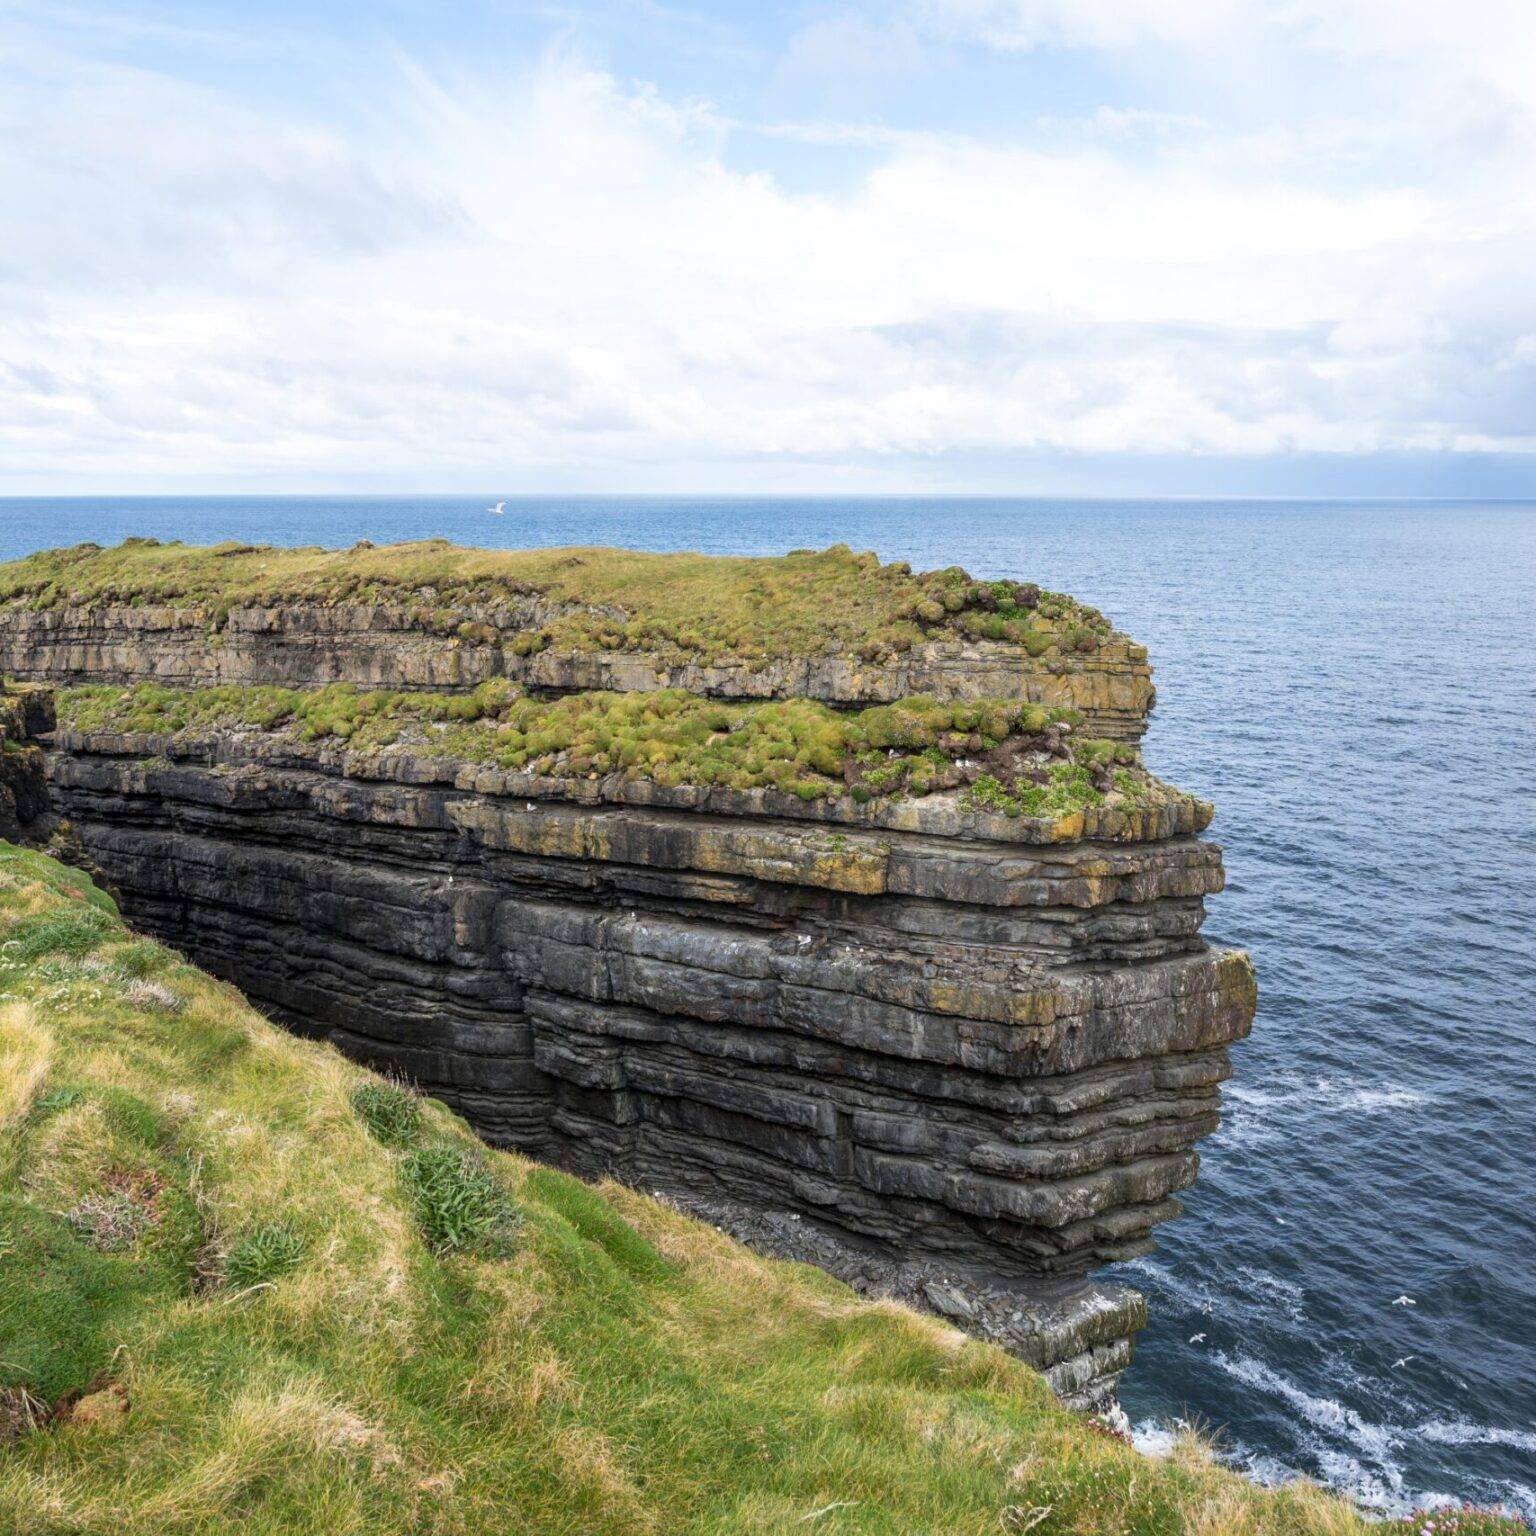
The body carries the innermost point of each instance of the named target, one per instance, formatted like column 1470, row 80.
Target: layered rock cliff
column 945, row 1044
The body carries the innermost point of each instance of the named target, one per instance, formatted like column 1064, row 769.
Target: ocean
column 1354, row 684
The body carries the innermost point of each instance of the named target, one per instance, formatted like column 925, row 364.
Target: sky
column 1099, row 247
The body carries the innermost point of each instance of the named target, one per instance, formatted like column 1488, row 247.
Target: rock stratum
column 956, row 1054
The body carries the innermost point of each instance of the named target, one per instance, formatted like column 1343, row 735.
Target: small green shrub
column 141, row 960
column 75, row 931
column 390, row 1112
column 459, row 1206
column 261, row 1255
column 1068, row 787
column 55, row 1100
column 1129, row 785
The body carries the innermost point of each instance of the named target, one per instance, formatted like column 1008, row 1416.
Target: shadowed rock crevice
column 25, row 714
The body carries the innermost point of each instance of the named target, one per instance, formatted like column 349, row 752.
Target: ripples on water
column 1355, row 686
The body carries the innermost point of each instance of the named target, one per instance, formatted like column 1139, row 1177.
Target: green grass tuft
column 460, row 1208
column 54, row 1100
column 72, row 931
column 390, row 1111
column 261, row 1255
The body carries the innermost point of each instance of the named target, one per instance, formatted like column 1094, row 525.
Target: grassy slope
column 197, row 1226
column 800, row 604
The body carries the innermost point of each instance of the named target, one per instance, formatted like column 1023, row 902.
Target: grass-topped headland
column 705, row 607
column 1017, row 760
column 248, row 1286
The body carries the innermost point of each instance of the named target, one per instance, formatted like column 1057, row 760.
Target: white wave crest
column 1158, row 1278
column 1358, row 1457
column 1273, row 1292
column 1459, row 1432
column 1376, row 1441
column 1255, row 1116
column 1155, row 1437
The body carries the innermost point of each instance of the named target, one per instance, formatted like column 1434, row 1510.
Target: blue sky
column 1094, row 246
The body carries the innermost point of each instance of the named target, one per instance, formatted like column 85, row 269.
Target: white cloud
column 1083, row 23
column 1490, row 37
column 564, row 269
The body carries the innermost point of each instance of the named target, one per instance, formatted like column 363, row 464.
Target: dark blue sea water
column 1354, row 684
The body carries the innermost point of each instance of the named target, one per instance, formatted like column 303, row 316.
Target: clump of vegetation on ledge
column 1019, row 760
column 291, row 1341
column 696, row 607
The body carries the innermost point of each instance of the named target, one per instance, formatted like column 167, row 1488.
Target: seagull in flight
column 1397, row 1365
column 1405, row 1301
column 499, row 509
column 1197, row 1338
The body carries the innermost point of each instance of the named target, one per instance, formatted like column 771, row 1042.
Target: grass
column 390, row 1112
column 690, row 606
column 914, row 747
column 262, row 1255
column 622, row 1369
column 459, row 1206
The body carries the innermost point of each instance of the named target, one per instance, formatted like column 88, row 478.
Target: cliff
column 915, row 991
column 246, row 1286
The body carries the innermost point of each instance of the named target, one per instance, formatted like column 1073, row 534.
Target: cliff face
column 960, row 1056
